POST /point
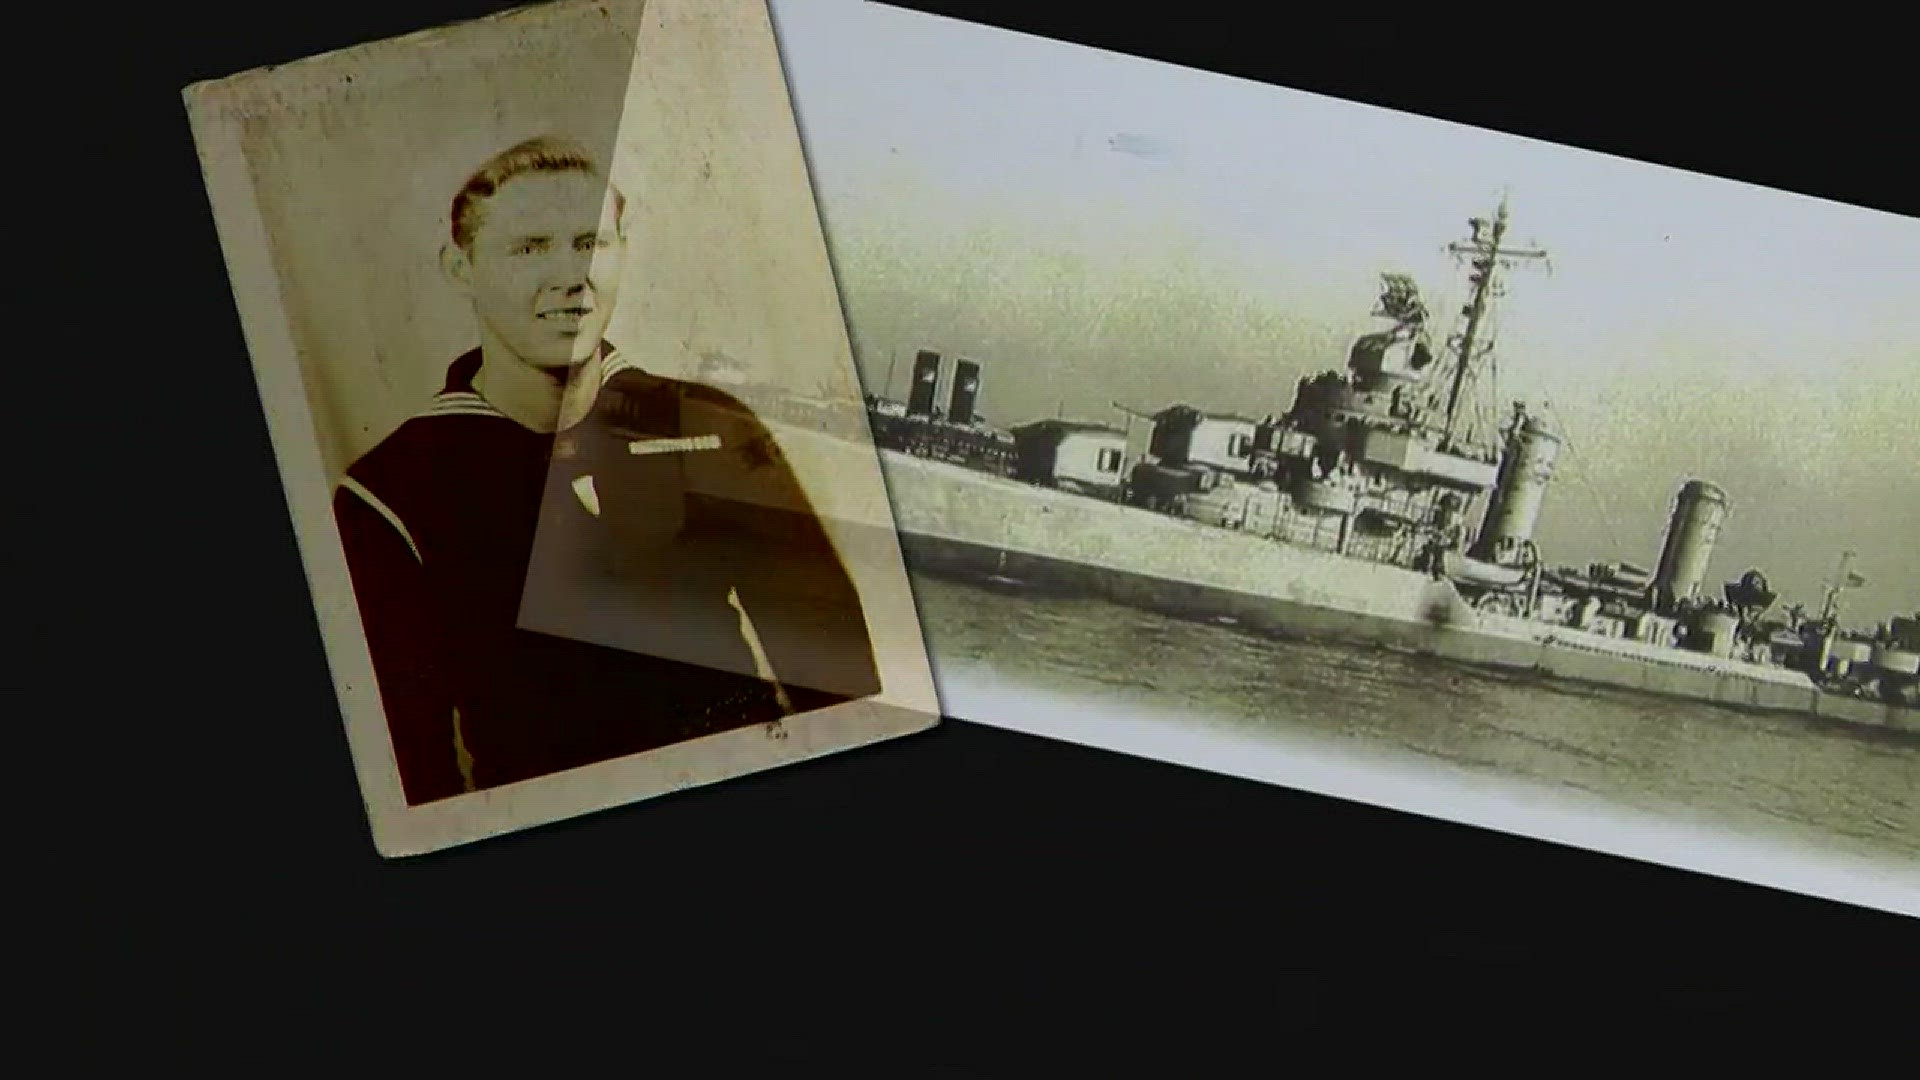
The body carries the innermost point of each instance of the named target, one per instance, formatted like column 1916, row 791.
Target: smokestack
column 966, row 390
column 1522, row 485
column 1697, row 513
column 926, row 380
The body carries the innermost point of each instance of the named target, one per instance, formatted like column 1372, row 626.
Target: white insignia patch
column 589, row 498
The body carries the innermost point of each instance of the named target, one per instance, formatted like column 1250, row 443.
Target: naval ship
column 1393, row 504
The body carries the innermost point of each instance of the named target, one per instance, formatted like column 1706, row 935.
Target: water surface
column 1849, row 791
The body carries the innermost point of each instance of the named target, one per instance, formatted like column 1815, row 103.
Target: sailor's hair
column 545, row 153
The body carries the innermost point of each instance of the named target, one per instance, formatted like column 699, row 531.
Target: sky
column 1094, row 227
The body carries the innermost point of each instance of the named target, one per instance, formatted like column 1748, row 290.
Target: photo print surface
column 1382, row 457
column 549, row 344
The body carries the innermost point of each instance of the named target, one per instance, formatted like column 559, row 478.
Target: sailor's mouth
column 564, row 314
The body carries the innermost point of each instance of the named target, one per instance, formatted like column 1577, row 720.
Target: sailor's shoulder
column 634, row 380
column 710, row 411
column 389, row 480
column 391, row 463
column 410, row 467
column 711, row 396
column 710, row 408
column 628, row 378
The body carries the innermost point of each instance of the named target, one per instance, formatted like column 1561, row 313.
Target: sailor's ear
column 457, row 265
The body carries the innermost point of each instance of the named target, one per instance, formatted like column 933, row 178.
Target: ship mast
column 1485, row 255
column 1830, row 611
column 1831, row 607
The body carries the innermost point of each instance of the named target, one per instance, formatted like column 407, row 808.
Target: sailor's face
column 544, row 265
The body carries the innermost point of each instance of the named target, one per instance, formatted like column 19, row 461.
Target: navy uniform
column 537, row 602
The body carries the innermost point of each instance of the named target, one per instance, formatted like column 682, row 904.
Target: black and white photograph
column 1373, row 528
column 1383, row 457
column 542, row 318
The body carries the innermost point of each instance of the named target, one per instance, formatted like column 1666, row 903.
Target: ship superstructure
column 1403, row 462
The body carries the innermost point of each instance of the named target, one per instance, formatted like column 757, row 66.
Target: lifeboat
column 1479, row 572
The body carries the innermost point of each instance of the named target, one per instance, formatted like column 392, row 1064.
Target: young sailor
column 566, row 559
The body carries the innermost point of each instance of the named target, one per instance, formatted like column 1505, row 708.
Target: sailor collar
column 459, row 398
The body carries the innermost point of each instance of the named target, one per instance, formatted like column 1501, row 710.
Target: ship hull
column 957, row 522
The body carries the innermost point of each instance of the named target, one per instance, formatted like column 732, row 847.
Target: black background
column 968, row 899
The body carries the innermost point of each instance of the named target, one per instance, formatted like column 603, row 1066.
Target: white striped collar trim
column 384, row 511
column 469, row 403
column 613, row 364
column 461, row 403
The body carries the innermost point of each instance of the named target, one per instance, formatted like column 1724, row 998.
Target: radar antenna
column 1400, row 301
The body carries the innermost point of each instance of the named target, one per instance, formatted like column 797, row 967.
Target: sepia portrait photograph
column 1380, row 457
column 561, row 393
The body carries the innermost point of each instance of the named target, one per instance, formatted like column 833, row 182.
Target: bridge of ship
column 1397, row 481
